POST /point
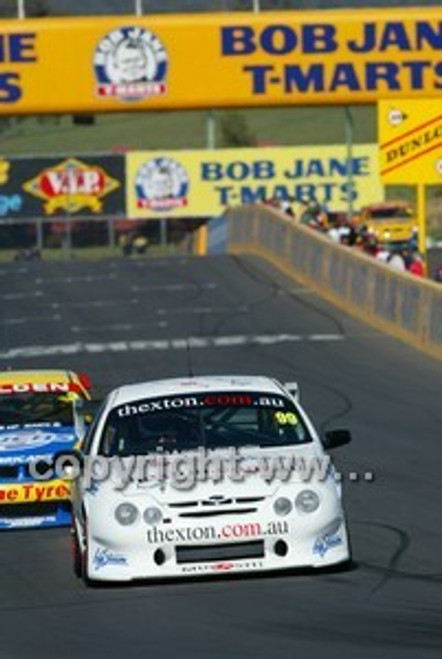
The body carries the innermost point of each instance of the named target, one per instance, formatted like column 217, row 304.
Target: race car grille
column 9, row 471
column 39, row 467
column 41, row 509
column 215, row 502
column 217, row 513
column 18, row 472
column 207, row 553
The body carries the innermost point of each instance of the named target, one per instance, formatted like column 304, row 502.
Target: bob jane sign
column 100, row 64
column 203, row 183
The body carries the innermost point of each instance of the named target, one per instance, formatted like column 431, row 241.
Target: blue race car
column 37, row 420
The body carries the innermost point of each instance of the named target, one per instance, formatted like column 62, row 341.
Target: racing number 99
column 286, row 418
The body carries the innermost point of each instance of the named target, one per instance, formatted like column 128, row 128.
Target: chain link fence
column 67, row 238
column 35, row 8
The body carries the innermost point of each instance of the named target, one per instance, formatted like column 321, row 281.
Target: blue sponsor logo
column 10, row 204
column 326, row 542
column 103, row 557
column 93, row 488
column 33, row 438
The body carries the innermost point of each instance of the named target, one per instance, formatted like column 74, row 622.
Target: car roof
column 192, row 385
column 37, row 377
column 388, row 204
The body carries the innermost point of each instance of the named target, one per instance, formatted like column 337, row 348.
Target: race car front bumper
column 34, row 505
column 261, row 547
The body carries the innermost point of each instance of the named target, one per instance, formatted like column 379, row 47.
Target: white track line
column 75, row 279
column 30, row 319
column 21, row 296
column 116, row 327
column 193, row 342
column 174, row 287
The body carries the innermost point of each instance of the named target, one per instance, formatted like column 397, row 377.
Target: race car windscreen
column 28, row 409
column 214, row 420
column 388, row 213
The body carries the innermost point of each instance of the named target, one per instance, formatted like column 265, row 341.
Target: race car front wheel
column 76, row 553
column 85, row 559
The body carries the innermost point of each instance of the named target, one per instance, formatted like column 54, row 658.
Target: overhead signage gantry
column 138, row 63
column 71, row 65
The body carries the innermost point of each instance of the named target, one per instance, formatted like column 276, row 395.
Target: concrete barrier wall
column 408, row 307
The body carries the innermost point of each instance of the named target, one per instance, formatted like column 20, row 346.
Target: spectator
column 396, row 260
column 140, row 244
column 417, row 266
column 438, row 273
column 313, row 216
column 348, row 234
column 408, row 257
column 270, row 201
column 414, row 241
column 126, row 243
column 370, row 245
column 334, row 234
column 286, row 207
column 383, row 254
column 30, row 254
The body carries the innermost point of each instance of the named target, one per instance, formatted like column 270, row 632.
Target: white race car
column 204, row 475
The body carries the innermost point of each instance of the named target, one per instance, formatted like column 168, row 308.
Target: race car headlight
column 152, row 515
column 126, row 514
column 282, row 506
column 307, row 501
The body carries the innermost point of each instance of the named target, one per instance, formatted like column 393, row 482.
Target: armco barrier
column 408, row 307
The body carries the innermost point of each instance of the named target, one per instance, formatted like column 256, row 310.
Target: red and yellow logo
column 35, row 492
column 71, row 186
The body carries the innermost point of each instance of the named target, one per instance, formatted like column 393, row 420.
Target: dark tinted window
column 212, row 420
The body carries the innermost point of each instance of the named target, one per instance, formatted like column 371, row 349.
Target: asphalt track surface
column 120, row 321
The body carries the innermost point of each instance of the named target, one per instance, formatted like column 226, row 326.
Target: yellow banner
column 204, row 183
column 54, row 490
column 410, row 140
column 99, row 64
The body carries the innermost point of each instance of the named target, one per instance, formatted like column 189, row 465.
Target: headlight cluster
column 307, row 501
column 127, row 514
column 152, row 516
column 282, row 506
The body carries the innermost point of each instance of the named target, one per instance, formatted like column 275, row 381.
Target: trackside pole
column 21, row 9
column 349, row 139
column 422, row 221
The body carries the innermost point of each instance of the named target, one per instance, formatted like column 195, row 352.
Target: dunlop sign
column 410, row 138
column 102, row 64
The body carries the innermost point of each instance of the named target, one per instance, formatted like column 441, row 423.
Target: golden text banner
column 101, row 64
column 203, row 183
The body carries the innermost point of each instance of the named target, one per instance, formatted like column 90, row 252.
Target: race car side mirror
column 336, row 438
column 293, row 389
column 85, row 381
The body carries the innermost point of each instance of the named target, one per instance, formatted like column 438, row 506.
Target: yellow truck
column 390, row 221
